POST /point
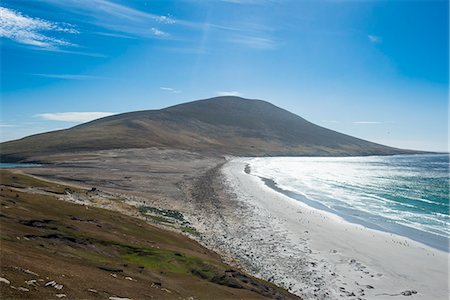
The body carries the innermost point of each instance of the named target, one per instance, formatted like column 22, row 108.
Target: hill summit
column 221, row 125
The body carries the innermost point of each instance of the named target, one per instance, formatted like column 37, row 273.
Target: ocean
column 10, row 166
column 406, row 194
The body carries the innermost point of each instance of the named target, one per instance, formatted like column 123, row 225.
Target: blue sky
column 377, row 70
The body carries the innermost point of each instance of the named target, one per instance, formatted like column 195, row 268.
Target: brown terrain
column 57, row 242
column 222, row 126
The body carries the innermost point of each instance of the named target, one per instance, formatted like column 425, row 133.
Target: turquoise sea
column 10, row 166
column 406, row 194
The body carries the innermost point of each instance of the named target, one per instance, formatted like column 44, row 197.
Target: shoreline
column 428, row 239
column 259, row 230
column 345, row 260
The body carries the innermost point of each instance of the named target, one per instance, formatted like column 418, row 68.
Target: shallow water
column 406, row 195
column 10, row 166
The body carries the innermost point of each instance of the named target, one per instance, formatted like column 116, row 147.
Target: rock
column 54, row 285
column 113, row 275
column 129, row 278
column 408, row 293
column 31, row 272
column 369, row 286
column 118, row 298
column 23, row 289
column 4, row 280
column 51, row 283
column 31, row 282
column 93, row 291
column 61, row 295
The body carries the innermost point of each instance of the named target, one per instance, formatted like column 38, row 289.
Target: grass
column 86, row 254
column 190, row 230
column 160, row 219
column 174, row 262
column 163, row 212
column 23, row 181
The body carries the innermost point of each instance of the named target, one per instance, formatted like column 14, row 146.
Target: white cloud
column 116, row 17
column 28, row 30
column 74, row 116
column 164, row 19
column 157, row 32
column 367, row 122
column 374, row 39
column 171, row 90
column 70, row 76
column 231, row 93
column 6, row 125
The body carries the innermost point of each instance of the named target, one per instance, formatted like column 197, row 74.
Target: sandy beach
column 315, row 254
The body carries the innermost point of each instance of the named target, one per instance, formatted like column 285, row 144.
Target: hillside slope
column 56, row 249
column 223, row 125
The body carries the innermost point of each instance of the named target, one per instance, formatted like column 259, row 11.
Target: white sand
column 318, row 255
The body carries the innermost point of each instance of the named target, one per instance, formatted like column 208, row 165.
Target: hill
column 221, row 125
column 56, row 249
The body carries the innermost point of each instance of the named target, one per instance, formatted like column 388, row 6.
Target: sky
column 377, row 70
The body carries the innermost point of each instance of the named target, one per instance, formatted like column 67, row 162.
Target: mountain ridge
column 225, row 125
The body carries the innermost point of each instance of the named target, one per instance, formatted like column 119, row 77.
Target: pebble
column 61, row 295
column 409, row 293
column 129, row 278
column 31, row 282
column 31, row 272
column 51, row 283
column 23, row 289
column 93, row 291
column 54, row 285
column 4, row 280
column 118, row 298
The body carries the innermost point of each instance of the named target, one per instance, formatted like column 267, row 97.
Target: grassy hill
column 54, row 249
column 222, row 125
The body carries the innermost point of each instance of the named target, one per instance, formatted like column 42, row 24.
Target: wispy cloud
column 157, row 32
column 255, row 42
column 367, row 122
column 169, row 89
column 374, row 39
column 73, row 116
column 165, row 19
column 7, row 125
column 63, row 51
column 33, row 31
column 230, row 93
column 117, row 17
column 70, row 76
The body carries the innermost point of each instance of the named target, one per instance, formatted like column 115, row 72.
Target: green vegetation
column 96, row 249
column 24, row 181
column 190, row 230
column 159, row 219
column 170, row 261
column 163, row 212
